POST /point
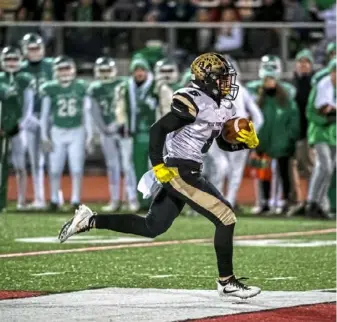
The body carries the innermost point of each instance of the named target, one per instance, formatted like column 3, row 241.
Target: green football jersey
column 104, row 95
column 319, row 75
column 66, row 102
column 42, row 72
column 9, row 116
column 19, row 82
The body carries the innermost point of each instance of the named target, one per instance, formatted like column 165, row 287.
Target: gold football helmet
column 215, row 75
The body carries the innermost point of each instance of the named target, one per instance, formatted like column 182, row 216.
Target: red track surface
column 5, row 295
column 306, row 313
column 95, row 189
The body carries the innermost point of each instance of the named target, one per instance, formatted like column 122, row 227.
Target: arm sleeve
column 226, row 146
column 44, row 118
column 28, row 103
column 165, row 97
column 312, row 112
column 97, row 115
column 158, row 131
column 253, row 110
column 324, row 94
column 87, row 116
column 121, row 115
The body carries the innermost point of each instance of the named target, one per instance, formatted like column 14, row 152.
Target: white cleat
column 111, row 207
column 21, row 206
column 38, row 205
column 134, row 206
column 79, row 223
column 235, row 288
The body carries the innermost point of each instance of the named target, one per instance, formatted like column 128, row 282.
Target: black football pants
column 190, row 188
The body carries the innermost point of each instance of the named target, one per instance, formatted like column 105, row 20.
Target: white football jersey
column 194, row 140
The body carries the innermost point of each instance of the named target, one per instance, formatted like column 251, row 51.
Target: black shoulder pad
column 184, row 106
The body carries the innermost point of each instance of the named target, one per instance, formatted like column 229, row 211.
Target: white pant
column 126, row 147
column 221, row 165
column 109, row 145
column 37, row 160
column 19, row 146
column 67, row 143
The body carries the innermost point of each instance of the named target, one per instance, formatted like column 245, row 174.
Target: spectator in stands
column 302, row 81
column 16, row 33
column 48, row 33
column 204, row 36
column 85, row 43
column 2, row 30
column 180, row 10
column 156, row 10
column 271, row 10
column 229, row 39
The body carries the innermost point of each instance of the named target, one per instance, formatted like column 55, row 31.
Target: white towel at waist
column 148, row 185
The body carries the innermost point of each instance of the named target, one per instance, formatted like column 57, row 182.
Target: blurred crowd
column 295, row 121
column 234, row 39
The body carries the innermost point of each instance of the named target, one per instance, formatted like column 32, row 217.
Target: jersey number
column 66, row 107
column 207, row 145
column 106, row 108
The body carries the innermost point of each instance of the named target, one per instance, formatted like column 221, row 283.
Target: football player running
column 65, row 100
column 102, row 93
column 187, row 131
column 22, row 83
column 41, row 68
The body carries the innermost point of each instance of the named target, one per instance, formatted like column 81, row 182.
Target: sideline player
column 11, row 62
column 71, row 131
column 221, row 165
column 102, row 93
column 41, row 68
column 187, row 131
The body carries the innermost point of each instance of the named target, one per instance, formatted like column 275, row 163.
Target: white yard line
column 166, row 243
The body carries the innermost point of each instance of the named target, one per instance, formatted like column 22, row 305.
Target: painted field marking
column 85, row 240
column 165, row 243
column 46, row 273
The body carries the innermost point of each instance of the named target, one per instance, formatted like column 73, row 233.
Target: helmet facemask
column 105, row 73
column 167, row 73
column 65, row 73
column 11, row 63
column 34, row 52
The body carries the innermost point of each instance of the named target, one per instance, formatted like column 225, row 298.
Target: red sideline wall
column 95, row 189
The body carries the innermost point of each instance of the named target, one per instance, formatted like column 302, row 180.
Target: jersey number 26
column 66, row 107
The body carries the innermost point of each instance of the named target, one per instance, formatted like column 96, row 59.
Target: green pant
column 141, row 162
column 3, row 172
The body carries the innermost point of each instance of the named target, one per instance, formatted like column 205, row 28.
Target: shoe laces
column 237, row 282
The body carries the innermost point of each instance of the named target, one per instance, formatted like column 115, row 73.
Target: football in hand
column 232, row 127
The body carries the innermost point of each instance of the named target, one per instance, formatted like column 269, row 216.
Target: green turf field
column 189, row 266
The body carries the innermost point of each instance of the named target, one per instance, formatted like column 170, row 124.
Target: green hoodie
column 280, row 129
column 320, row 130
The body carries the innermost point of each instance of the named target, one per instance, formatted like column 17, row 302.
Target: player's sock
column 76, row 179
column 55, row 182
column 131, row 185
column 21, row 180
column 130, row 224
column 223, row 244
column 38, row 185
column 114, row 184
